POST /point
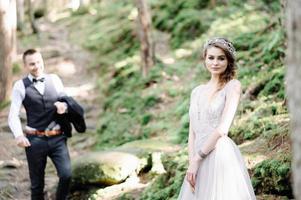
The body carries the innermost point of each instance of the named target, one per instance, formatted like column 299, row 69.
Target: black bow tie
column 35, row 80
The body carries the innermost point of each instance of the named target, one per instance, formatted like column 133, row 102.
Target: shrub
column 167, row 186
column 273, row 177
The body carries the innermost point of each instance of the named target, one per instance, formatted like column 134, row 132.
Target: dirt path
column 71, row 63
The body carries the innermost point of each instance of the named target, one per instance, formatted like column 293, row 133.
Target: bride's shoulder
column 196, row 89
column 234, row 85
column 234, row 82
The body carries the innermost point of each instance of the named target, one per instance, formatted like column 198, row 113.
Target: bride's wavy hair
column 229, row 50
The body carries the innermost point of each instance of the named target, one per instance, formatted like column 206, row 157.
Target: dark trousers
column 56, row 148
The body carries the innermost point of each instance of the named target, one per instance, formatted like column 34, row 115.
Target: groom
column 42, row 136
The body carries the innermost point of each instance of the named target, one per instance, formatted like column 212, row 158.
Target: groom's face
column 34, row 64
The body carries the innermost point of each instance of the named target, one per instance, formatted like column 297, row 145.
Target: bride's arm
column 232, row 99
column 194, row 158
column 191, row 138
column 191, row 134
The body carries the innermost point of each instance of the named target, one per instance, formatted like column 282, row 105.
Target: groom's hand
column 61, row 107
column 22, row 141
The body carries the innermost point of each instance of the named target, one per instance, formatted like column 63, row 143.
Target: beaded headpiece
column 229, row 46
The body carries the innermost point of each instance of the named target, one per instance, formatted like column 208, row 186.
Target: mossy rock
column 145, row 150
column 144, row 156
column 167, row 185
column 103, row 168
column 150, row 145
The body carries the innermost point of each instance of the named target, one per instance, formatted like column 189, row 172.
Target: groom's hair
column 29, row 52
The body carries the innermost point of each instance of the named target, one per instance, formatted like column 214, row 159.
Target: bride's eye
column 222, row 58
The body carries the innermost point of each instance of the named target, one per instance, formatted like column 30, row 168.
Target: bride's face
column 216, row 61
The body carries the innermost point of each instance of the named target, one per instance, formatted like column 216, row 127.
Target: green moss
column 104, row 168
column 146, row 119
column 184, row 130
column 126, row 197
column 273, row 177
column 151, row 101
column 110, row 25
column 4, row 104
column 167, row 186
column 182, row 19
column 16, row 68
column 262, row 117
column 275, row 85
column 116, row 129
column 272, row 5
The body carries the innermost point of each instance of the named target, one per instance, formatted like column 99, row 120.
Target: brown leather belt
column 44, row 133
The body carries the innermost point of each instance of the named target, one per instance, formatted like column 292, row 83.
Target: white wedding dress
column 222, row 175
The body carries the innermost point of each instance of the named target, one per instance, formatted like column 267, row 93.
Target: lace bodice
column 204, row 115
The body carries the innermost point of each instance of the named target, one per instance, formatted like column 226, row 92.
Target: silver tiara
column 222, row 41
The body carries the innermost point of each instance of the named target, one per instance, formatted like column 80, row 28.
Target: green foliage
column 104, row 42
column 182, row 19
column 251, row 129
column 184, row 130
column 150, row 101
column 125, row 107
column 16, row 68
column 3, row 104
column 167, row 186
column 273, row 177
column 115, row 129
column 276, row 85
column 260, row 118
column 146, row 119
column 110, row 32
column 167, row 10
column 272, row 5
column 126, row 197
column 188, row 25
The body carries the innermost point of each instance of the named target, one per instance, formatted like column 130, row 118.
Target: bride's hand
column 192, row 170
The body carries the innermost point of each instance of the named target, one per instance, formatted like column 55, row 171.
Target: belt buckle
column 46, row 133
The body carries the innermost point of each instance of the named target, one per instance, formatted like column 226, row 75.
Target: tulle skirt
column 222, row 175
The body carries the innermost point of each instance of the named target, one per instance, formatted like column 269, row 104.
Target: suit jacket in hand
column 74, row 116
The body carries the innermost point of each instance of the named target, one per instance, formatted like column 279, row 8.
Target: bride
column 216, row 169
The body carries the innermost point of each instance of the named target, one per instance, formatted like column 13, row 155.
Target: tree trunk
column 212, row 3
column 7, row 41
column 293, row 87
column 33, row 24
column 144, row 30
column 20, row 15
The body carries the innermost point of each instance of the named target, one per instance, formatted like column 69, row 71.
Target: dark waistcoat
column 40, row 109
